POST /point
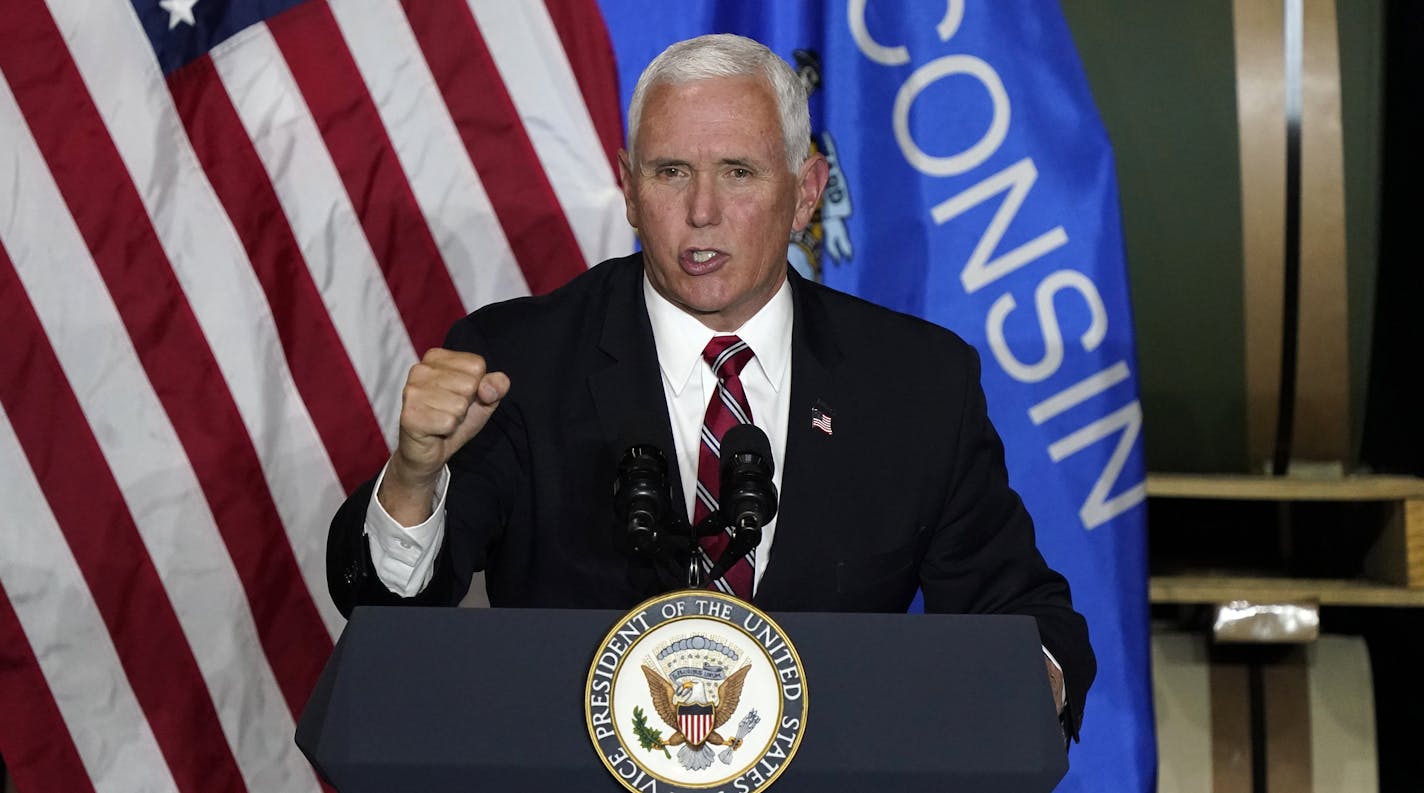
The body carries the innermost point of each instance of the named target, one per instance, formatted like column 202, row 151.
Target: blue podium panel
column 435, row 700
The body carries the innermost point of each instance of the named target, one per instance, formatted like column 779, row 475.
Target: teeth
column 702, row 256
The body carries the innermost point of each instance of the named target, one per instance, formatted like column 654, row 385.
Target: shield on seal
column 695, row 721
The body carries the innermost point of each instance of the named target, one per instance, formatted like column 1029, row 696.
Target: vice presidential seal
column 696, row 690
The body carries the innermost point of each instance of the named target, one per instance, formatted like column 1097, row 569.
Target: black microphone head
column 748, row 498
column 637, row 431
column 640, row 495
column 642, row 468
column 746, row 439
column 748, row 495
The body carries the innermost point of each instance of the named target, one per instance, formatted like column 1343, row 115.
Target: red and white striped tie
column 727, row 408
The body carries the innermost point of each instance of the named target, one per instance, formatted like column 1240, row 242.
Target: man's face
column 712, row 199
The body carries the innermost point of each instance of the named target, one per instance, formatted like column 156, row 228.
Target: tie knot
column 726, row 355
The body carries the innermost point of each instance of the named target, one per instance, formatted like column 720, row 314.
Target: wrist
column 411, row 476
column 407, row 496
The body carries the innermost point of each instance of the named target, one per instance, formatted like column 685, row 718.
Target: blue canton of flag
column 183, row 30
column 972, row 184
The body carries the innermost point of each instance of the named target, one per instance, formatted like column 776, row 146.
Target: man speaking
column 891, row 477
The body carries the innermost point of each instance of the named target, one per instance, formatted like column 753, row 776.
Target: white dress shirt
column 404, row 556
column 689, row 383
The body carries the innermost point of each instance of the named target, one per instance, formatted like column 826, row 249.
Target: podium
column 436, row 699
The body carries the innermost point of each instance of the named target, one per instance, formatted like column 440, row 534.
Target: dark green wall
column 1362, row 100
column 1163, row 75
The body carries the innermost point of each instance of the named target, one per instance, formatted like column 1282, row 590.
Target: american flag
column 820, row 419
column 227, row 228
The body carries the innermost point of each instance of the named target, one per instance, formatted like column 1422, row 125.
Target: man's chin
column 698, row 297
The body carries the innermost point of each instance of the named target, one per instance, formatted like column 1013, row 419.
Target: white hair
column 727, row 55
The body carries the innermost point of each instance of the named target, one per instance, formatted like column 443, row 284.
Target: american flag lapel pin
column 821, row 417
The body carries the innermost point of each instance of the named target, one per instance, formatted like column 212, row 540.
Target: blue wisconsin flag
column 972, row 184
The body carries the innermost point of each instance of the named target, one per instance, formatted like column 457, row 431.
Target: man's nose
column 704, row 207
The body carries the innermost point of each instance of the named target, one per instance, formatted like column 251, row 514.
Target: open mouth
column 699, row 261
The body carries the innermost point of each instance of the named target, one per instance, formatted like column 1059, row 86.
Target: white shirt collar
column 680, row 337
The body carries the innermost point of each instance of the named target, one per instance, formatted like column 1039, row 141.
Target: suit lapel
column 800, row 549
column 628, row 393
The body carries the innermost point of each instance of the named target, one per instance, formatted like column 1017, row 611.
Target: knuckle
column 445, row 424
column 465, row 387
column 419, row 373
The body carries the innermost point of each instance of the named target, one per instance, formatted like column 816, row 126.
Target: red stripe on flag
column 330, row 82
column 92, row 514
column 315, row 354
column 36, row 744
column 170, row 344
column 528, row 209
column 590, row 53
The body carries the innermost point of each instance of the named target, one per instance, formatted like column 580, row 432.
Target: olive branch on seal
column 648, row 738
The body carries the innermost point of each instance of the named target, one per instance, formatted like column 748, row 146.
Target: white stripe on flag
column 69, row 637
column 216, row 276
column 322, row 219
column 449, row 192
column 149, row 465
column 532, row 62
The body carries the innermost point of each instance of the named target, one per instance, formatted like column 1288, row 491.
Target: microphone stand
column 710, row 525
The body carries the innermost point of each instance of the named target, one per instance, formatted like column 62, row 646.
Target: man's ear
column 811, row 182
column 625, row 179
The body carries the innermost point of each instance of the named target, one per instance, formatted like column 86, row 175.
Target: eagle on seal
column 694, row 709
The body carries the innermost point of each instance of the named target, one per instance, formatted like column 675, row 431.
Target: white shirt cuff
column 404, row 556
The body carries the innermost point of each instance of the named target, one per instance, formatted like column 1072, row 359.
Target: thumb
column 492, row 389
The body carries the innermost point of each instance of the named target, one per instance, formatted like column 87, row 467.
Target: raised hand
column 448, row 398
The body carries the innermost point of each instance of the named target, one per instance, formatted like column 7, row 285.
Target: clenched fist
column 448, row 398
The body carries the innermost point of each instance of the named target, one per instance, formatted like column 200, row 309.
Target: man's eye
column 740, row 173
column 669, row 172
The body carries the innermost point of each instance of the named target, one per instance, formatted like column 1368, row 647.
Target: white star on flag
column 179, row 11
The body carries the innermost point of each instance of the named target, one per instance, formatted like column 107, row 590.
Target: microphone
column 748, row 496
column 640, row 496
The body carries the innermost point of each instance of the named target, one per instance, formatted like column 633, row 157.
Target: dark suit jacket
column 910, row 492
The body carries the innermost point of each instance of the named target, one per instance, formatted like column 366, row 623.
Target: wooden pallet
column 1394, row 562
column 1208, row 588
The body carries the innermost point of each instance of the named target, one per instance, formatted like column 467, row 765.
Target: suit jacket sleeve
column 983, row 557
column 484, row 479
